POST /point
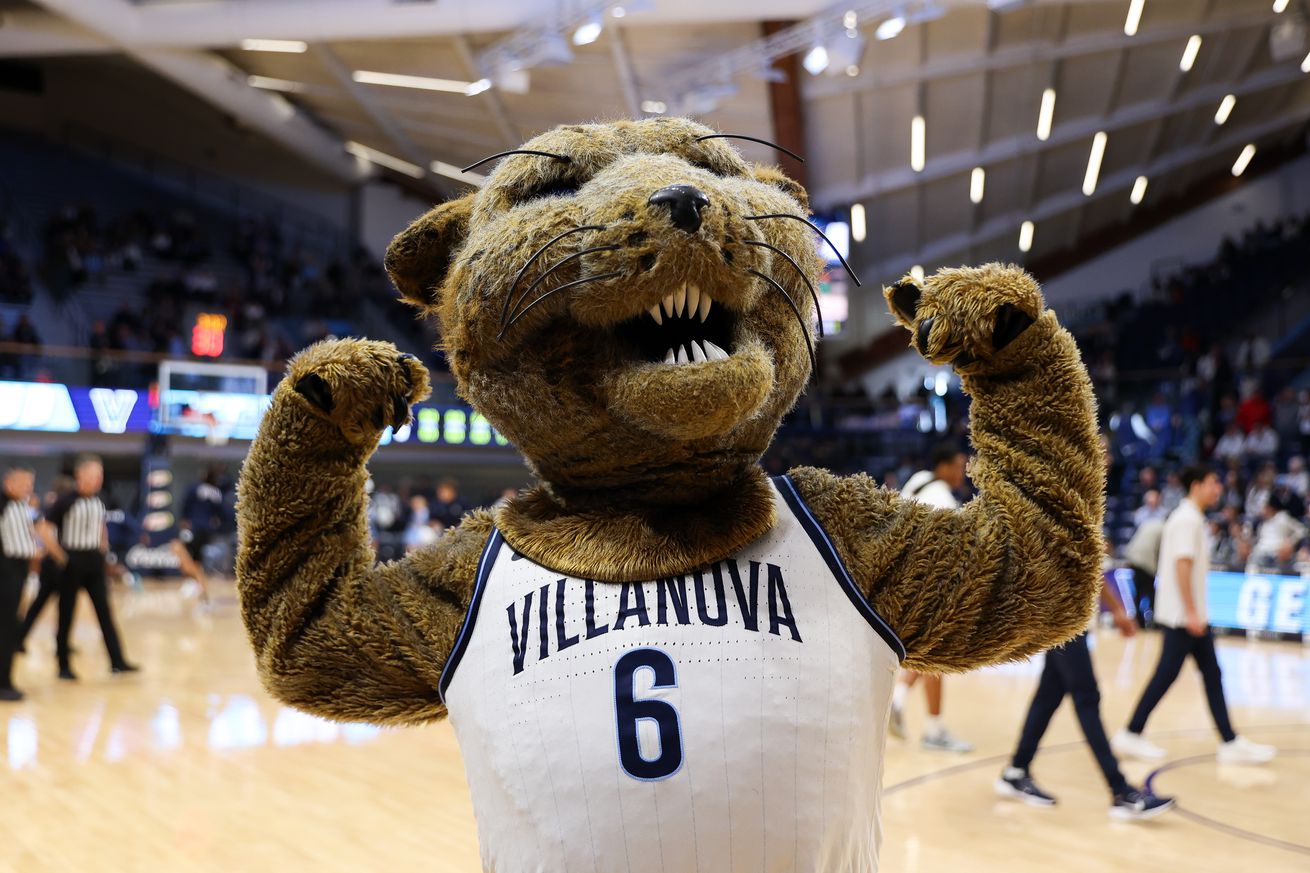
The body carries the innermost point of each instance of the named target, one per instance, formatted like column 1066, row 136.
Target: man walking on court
column 18, row 546
column 83, row 541
column 1069, row 671
column 1180, row 611
column 936, row 487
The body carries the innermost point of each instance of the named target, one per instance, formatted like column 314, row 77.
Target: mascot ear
column 419, row 256
column 780, row 180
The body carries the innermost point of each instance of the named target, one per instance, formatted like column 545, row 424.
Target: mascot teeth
column 702, row 350
column 687, row 302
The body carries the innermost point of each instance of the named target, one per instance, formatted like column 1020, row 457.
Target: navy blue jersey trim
column 489, row 553
column 824, row 544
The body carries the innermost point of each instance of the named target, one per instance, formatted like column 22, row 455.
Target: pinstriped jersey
column 730, row 719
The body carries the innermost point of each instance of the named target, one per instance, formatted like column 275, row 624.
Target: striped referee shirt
column 81, row 522
column 16, row 537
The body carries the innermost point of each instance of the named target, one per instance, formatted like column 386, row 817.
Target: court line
column 1064, row 747
column 1224, row 827
column 1195, row 818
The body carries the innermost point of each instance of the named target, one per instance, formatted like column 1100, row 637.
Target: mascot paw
column 966, row 314
column 362, row 386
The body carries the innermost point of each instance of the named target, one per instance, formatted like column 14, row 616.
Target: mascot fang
column 658, row 658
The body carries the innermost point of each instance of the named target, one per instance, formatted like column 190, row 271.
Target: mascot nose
column 684, row 203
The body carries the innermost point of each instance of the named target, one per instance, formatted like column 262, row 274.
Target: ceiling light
column 816, row 60
column 1305, row 65
column 451, row 171
column 1094, row 163
column 1046, row 115
column 918, row 134
column 270, row 84
column 1026, row 236
column 1134, row 17
column 890, row 28
column 423, row 83
column 382, row 159
column 618, row 12
column 587, row 32
column 291, row 46
column 1225, row 108
column 852, row 71
column 1139, row 190
column 976, row 182
column 858, row 227
column 1280, row 6
column 477, row 87
column 655, row 107
column 850, row 20
column 917, row 272
column 1243, row 159
column 1189, row 53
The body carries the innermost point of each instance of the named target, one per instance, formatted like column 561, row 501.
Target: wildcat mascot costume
column 659, row 658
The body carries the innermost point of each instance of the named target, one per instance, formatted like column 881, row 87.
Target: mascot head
column 613, row 301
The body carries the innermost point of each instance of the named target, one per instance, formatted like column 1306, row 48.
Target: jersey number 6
column 629, row 711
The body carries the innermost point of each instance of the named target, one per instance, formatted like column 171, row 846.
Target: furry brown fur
column 648, row 470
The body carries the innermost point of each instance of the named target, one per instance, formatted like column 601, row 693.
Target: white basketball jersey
column 731, row 719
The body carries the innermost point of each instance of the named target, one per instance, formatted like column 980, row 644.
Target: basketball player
column 1180, row 611
column 1068, row 670
column 202, row 517
column 83, row 540
column 936, row 487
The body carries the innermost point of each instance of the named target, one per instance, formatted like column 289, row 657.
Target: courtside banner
column 1259, row 602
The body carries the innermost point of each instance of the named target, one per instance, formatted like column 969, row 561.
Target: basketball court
column 189, row 766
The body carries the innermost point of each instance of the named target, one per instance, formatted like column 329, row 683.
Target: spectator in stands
column 448, row 508
column 419, row 532
column 1151, row 509
column 1253, row 409
column 1258, row 494
column 25, row 333
column 1261, row 444
column 1296, row 479
column 1285, row 417
column 1252, row 354
column 1232, row 541
column 1231, row 446
column 1277, row 538
column 1172, row 492
column 1303, row 419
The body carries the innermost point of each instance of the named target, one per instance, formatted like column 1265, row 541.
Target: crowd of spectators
column 15, row 278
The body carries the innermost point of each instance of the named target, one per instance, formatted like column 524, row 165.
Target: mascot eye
column 702, row 164
column 565, row 187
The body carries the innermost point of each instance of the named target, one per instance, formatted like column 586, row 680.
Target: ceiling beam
column 879, row 183
column 363, row 100
column 1007, row 224
column 495, row 105
column 623, row 66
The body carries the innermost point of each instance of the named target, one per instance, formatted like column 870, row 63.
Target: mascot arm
column 334, row 633
column 1017, row 569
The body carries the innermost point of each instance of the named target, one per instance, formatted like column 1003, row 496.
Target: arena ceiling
column 942, row 111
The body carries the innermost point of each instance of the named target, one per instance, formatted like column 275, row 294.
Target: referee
column 83, row 538
column 18, row 546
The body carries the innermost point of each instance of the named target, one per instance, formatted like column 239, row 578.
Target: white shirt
column 731, row 719
column 1185, row 536
column 925, row 487
column 1275, row 533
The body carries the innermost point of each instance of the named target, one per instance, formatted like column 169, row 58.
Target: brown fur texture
column 1017, row 569
column 647, row 469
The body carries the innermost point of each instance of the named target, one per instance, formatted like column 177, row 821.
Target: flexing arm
column 335, row 634
column 1017, row 569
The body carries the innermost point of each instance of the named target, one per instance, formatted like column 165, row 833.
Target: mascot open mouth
column 688, row 326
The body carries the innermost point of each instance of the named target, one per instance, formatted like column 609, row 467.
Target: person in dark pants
column 83, row 540
column 50, row 572
column 1068, row 671
column 18, row 546
column 1180, row 600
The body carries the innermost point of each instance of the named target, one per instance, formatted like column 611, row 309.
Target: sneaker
column 1134, row 805
column 896, row 723
column 12, row 695
column 67, row 674
column 1240, row 750
column 125, row 668
column 1017, row 784
column 1131, row 745
column 945, row 741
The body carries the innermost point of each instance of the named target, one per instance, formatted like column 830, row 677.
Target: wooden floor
column 188, row 766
